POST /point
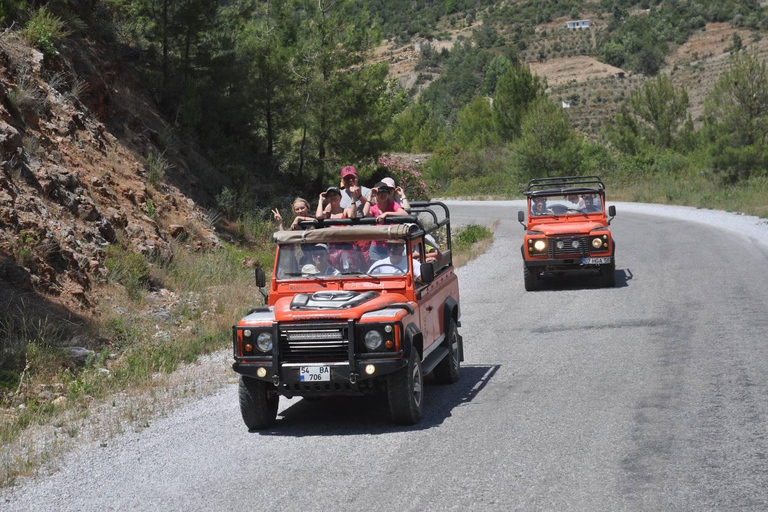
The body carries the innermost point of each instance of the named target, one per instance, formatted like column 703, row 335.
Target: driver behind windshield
column 395, row 262
column 539, row 206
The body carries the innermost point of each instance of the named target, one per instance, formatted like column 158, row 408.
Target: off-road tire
column 258, row 403
column 608, row 275
column 448, row 370
column 405, row 392
column 531, row 278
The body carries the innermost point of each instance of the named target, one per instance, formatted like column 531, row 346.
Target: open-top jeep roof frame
column 565, row 185
column 416, row 208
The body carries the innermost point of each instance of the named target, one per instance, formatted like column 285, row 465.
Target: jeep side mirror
column 427, row 272
column 261, row 282
column 261, row 278
column 521, row 217
column 611, row 212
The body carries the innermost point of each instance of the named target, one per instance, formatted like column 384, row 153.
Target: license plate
column 315, row 373
column 595, row 261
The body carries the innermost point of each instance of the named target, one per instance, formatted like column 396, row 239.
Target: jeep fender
column 413, row 338
column 451, row 310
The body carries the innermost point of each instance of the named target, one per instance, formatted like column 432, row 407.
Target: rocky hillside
column 86, row 162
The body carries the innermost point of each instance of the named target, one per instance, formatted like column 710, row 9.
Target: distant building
column 566, row 104
column 578, row 24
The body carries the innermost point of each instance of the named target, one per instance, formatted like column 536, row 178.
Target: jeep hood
column 332, row 304
column 567, row 228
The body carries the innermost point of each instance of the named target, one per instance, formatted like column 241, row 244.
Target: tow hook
column 353, row 378
column 276, row 380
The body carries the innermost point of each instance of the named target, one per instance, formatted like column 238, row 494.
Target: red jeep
column 567, row 230
column 337, row 323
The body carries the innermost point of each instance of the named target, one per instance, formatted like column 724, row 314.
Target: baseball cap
column 346, row 171
column 320, row 246
column 335, row 190
column 389, row 181
column 381, row 185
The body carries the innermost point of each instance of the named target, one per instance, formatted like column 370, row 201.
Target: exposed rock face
column 70, row 186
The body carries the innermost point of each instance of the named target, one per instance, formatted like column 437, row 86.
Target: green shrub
column 44, row 30
column 129, row 269
column 469, row 235
column 156, row 166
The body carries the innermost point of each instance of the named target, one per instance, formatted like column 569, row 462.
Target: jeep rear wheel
column 531, row 278
column 405, row 392
column 258, row 403
column 448, row 370
column 608, row 275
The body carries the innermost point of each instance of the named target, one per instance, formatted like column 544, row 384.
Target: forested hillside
column 145, row 142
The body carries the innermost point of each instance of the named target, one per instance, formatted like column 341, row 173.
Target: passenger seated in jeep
column 539, row 206
column 589, row 204
column 395, row 262
column 321, row 261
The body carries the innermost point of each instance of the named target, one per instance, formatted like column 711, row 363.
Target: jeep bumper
column 344, row 379
column 569, row 264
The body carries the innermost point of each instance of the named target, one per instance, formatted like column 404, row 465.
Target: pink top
column 391, row 207
column 376, row 211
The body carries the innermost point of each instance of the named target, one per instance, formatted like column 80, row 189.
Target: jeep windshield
column 571, row 204
column 341, row 259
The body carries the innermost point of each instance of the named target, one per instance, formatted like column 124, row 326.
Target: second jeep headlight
column 264, row 342
column 373, row 339
column 540, row 245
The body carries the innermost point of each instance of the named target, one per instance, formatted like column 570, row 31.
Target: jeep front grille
column 314, row 344
column 582, row 249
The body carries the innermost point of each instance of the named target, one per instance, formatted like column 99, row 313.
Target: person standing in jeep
column 353, row 192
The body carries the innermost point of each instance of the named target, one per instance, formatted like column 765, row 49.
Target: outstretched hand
column 278, row 217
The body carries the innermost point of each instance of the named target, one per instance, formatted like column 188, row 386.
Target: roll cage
column 565, row 185
column 418, row 229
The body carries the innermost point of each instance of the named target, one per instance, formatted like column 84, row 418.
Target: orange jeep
column 337, row 323
column 567, row 229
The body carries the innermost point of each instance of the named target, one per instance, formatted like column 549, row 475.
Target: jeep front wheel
column 258, row 403
column 448, row 370
column 608, row 275
column 405, row 392
column 531, row 278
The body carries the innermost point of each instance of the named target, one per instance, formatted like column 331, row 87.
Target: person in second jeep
column 567, row 230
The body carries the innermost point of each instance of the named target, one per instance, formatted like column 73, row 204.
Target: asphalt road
column 649, row 396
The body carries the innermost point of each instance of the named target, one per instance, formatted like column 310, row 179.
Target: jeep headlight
column 264, row 342
column 597, row 243
column 373, row 339
column 540, row 245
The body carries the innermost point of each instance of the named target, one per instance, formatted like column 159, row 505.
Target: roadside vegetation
column 154, row 317
column 281, row 93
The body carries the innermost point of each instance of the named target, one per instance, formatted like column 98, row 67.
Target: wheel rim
column 416, row 385
column 455, row 348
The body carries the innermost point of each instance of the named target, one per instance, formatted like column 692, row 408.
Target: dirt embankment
column 86, row 163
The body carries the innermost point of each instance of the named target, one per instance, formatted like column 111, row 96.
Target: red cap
column 347, row 171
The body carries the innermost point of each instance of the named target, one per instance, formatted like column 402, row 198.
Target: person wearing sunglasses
column 383, row 208
column 395, row 263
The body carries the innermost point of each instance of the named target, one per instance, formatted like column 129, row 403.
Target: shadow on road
column 582, row 281
column 370, row 415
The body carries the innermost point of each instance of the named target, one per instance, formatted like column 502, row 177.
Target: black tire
column 405, row 392
column 608, row 275
column 258, row 403
column 448, row 370
column 531, row 278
